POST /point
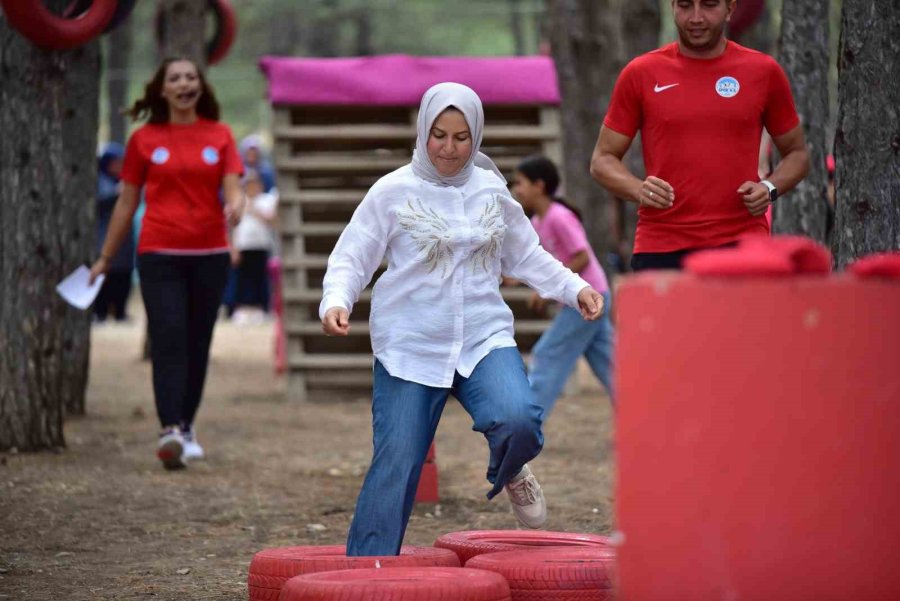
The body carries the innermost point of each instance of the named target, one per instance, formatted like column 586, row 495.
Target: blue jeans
column 569, row 337
column 405, row 416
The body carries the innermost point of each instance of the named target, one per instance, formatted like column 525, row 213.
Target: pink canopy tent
column 399, row 80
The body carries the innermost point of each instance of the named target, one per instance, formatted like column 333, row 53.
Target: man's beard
column 716, row 36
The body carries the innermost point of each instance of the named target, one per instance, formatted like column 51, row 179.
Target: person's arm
column 791, row 169
column 267, row 212
column 578, row 261
column 610, row 171
column 119, row 228
column 235, row 200
column 354, row 260
column 522, row 257
column 571, row 241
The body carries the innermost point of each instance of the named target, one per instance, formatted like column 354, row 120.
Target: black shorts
column 669, row 260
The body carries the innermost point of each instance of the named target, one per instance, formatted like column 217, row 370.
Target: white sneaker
column 192, row 449
column 170, row 449
column 527, row 499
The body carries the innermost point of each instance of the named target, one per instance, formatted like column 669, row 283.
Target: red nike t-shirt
column 701, row 123
column 181, row 167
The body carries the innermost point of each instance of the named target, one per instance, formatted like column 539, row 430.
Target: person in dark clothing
column 113, row 296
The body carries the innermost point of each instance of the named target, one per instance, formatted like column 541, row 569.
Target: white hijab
column 435, row 101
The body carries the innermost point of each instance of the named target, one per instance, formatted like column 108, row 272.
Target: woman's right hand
column 336, row 322
column 100, row 266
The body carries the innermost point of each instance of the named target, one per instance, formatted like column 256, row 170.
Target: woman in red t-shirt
column 182, row 157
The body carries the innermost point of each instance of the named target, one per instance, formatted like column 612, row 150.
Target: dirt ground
column 102, row 520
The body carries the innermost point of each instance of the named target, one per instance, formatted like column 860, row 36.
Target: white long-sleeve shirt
column 437, row 309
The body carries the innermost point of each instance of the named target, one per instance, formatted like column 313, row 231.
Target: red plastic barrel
column 758, row 438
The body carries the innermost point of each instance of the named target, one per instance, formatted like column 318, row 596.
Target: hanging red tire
column 554, row 574
column 469, row 543
column 270, row 569
column 46, row 30
column 123, row 10
column 224, row 30
column 398, row 584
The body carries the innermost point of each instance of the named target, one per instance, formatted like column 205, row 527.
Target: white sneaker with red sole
column 170, row 450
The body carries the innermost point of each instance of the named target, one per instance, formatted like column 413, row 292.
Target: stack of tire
column 540, row 565
column 499, row 565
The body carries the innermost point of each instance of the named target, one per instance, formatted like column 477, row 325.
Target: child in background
column 252, row 242
column 448, row 228
column 113, row 296
column 569, row 337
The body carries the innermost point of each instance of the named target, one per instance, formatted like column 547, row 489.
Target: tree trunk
column 285, row 31
column 867, row 140
column 81, row 116
column 324, row 37
column 517, row 26
column 364, row 33
column 641, row 22
column 118, row 52
column 185, row 21
column 586, row 48
column 762, row 34
column 47, row 170
column 804, row 55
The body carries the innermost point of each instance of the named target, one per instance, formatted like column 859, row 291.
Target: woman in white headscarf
column 448, row 228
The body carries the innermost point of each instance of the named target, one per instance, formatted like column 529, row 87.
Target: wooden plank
column 332, row 361
column 336, row 163
column 369, row 163
column 376, row 132
column 323, row 196
column 313, row 229
column 312, row 262
column 360, row 328
column 518, row 293
column 305, row 261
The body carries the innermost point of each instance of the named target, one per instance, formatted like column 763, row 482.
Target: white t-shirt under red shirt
column 181, row 168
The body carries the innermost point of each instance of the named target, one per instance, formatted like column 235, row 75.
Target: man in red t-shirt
column 700, row 104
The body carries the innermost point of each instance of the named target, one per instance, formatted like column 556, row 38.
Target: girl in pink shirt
column 569, row 336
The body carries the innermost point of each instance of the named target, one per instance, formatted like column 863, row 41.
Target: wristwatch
column 773, row 191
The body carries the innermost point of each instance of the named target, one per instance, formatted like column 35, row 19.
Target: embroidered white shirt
column 437, row 309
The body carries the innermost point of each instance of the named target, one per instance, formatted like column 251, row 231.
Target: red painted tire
column 553, row 574
column 880, row 265
column 46, row 30
column 225, row 31
column 469, row 543
column 270, row 569
column 398, row 584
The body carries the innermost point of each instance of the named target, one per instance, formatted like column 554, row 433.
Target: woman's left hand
column 590, row 304
column 234, row 211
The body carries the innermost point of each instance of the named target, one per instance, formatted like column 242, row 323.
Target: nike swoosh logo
column 658, row 88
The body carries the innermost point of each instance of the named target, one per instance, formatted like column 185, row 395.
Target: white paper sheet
column 76, row 290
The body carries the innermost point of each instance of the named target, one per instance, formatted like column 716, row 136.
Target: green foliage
column 338, row 28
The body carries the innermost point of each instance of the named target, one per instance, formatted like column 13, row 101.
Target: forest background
column 332, row 28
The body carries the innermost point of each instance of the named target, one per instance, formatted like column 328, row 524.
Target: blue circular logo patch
column 727, row 87
column 159, row 155
column 210, row 155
